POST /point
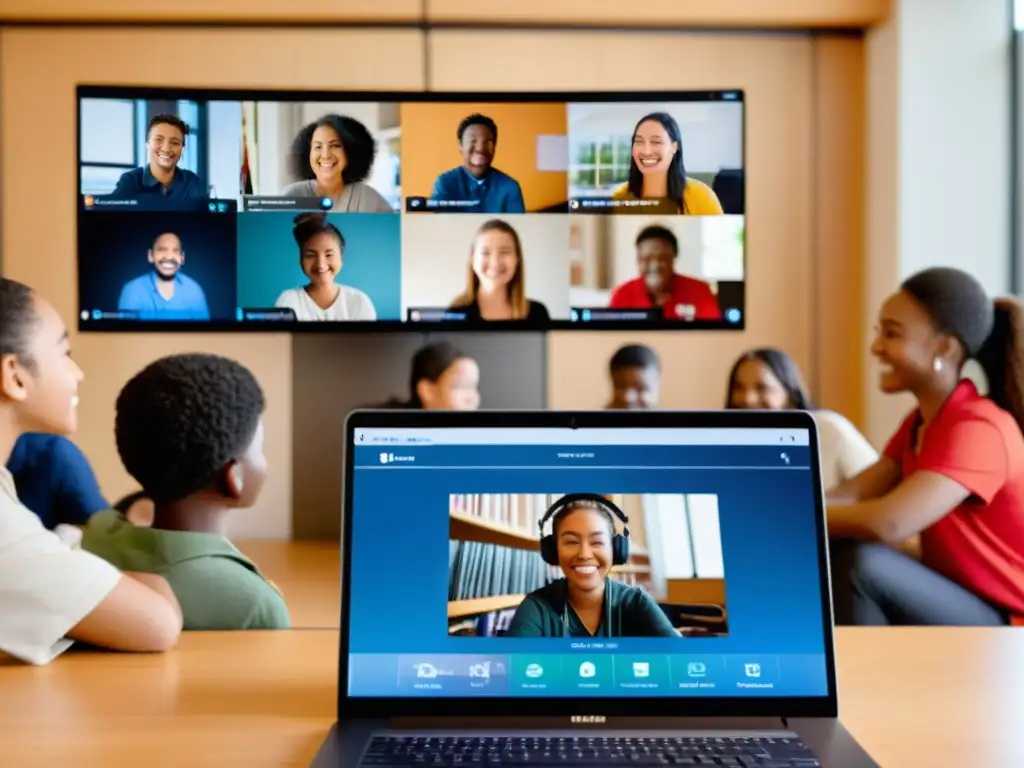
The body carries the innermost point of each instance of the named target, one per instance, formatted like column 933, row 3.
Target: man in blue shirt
column 476, row 186
column 160, row 181
column 164, row 292
column 53, row 479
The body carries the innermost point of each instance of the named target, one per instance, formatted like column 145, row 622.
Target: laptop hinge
column 566, row 722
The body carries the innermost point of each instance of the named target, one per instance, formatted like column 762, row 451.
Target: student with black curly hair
column 52, row 594
column 189, row 430
column 332, row 157
column 953, row 472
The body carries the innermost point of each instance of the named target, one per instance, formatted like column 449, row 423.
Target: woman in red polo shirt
column 953, row 472
column 660, row 286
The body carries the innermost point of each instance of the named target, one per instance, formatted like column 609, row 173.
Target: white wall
column 938, row 186
column 436, row 247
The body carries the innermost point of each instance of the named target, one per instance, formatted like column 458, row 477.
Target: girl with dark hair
column 768, row 379
column 321, row 254
column 657, row 173
column 50, row 593
column 332, row 157
column 953, row 472
column 443, row 378
column 496, row 278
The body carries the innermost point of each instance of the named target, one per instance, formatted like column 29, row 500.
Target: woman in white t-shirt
column 52, row 593
column 321, row 254
column 768, row 379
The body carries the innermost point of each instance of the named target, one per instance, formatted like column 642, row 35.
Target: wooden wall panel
column 775, row 14
column 841, row 328
column 238, row 11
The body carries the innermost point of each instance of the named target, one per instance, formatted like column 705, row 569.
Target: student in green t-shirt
column 189, row 430
column 586, row 602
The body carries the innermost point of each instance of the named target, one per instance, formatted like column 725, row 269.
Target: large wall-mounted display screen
column 312, row 211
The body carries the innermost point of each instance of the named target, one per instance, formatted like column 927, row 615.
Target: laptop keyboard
column 586, row 751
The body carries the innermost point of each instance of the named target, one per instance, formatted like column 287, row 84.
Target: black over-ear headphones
column 620, row 541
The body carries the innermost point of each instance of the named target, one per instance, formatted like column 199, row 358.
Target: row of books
column 478, row 570
column 519, row 511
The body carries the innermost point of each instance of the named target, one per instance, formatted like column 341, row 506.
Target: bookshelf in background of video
column 494, row 561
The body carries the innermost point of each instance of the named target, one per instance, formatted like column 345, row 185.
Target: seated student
column 161, row 180
column 953, row 472
column 54, row 480
column 189, row 430
column 496, row 279
column 767, row 379
column 332, row 158
column 443, row 378
column 636, row 378
column 586, row 602
column 164, row 292
column 50, row 593
column 657, row 173
column 477, row 181
column 659, row 286
column 321, row 256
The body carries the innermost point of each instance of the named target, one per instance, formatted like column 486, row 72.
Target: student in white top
column 321, row 254
column 51, row 593
column 768, row 379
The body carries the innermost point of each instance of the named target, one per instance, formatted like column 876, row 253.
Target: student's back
column 217, row 586
column 189, row 430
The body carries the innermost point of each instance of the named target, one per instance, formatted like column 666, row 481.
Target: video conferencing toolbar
column 303, row 211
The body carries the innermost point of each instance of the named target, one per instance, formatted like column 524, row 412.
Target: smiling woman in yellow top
column 657, row 173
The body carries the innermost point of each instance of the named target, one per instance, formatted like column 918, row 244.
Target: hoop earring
column 937, row 365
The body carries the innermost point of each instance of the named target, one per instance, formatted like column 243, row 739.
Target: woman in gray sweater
column 331, row 157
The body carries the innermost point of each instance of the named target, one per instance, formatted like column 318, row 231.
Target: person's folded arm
column 917, row 503
column 140, row 614
column 872, row 483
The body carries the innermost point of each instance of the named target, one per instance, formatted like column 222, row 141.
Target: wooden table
column 913, row 697
column 308, row 573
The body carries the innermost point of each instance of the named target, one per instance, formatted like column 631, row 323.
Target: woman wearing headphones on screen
column 443, row 378
column 587, row 602
column 496, row 279
column 332, row 157
column 321, row 253
column 657, row 173
column 767, row 379
column 953, row 472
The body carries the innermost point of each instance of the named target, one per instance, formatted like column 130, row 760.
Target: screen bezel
column 534, row 706
column 84, row 91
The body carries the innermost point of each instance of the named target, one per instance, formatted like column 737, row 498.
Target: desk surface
column 913, row 697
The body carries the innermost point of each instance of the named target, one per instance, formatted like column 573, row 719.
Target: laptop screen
column 712, row 588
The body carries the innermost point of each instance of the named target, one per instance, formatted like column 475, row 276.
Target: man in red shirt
column 678, row 297
column 953, row 473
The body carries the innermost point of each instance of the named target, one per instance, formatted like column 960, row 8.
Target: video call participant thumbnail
column 321, row 254
column 160, row 180
column 657, row 172
column 164, row 291
column 586, row 602
column 659, row 285
column 477, row 180
column 496, row 279
column 332, row 157
column 318, row 267
column 158, row 266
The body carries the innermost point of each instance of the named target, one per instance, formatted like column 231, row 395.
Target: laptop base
column 827, row 739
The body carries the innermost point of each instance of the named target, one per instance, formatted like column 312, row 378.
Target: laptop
column 585, row 589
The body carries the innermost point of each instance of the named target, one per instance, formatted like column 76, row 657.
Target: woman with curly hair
column 332, row 157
